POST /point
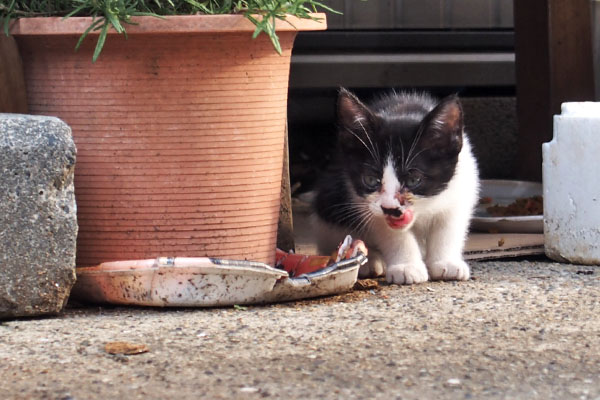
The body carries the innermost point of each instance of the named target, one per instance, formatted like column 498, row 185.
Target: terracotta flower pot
column 179, row 130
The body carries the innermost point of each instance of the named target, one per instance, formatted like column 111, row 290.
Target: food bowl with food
column 509, row 206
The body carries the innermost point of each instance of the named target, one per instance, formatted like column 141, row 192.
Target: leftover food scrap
column 520, row 207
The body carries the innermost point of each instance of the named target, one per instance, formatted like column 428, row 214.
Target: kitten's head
column 398, row 151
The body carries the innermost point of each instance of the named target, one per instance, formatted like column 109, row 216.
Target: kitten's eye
column 413, row 179
column 371, row 182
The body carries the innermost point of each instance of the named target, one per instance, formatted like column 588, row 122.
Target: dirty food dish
column 205, row 282
column 505, row 192
column 181, row 282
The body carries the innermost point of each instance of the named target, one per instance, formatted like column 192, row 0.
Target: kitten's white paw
column 449, row 270
column 373, row 268
column 407, row 274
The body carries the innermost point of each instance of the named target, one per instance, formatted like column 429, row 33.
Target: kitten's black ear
column 355, row 119
column 443, row 127
column 351, row 110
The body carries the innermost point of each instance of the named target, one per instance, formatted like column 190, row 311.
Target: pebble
column 453, row 382
column 249, row 389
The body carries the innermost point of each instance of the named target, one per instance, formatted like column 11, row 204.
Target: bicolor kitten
column 404, row 180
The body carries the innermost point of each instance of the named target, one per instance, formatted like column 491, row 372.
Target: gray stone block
column 38, row 222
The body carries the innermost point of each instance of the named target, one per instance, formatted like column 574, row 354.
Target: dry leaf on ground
column 125, row 348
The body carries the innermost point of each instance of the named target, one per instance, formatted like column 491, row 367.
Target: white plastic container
column 571, row 181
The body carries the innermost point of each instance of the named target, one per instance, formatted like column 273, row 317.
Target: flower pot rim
column 223, row 23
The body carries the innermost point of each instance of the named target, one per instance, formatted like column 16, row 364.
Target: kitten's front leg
column 374, row 267
column 445, row 244
column 404, row 263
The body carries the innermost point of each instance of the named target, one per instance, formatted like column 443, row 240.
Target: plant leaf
column 101, row 40
column 85, row 33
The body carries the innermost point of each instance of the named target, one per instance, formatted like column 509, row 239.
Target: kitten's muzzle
column 392, row 212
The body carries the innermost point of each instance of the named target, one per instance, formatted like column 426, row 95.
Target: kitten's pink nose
column 392, row 212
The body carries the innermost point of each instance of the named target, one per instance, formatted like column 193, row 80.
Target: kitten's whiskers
column 363, row 142
column 408, row 162
column 345, row 205
column 402, row 153
column 365, row 225
column 373, row 146
column 414, row 145
column 356, row 216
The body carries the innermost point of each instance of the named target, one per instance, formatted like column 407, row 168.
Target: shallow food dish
column 205, row 282
column 504, row 192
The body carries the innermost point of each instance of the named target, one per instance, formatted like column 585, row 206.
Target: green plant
column 116, row 14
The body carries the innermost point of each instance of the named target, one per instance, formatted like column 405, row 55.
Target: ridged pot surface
column 179, row 136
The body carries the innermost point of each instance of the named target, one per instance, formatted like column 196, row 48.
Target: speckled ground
column 518, row 330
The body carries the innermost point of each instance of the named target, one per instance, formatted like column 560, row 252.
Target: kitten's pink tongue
column 402, row 221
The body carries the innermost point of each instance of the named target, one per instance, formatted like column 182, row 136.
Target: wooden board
column 485, row 246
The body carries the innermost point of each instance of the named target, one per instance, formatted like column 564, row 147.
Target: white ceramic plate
column 504, row 192
column 207, row 282
column 179, row 282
